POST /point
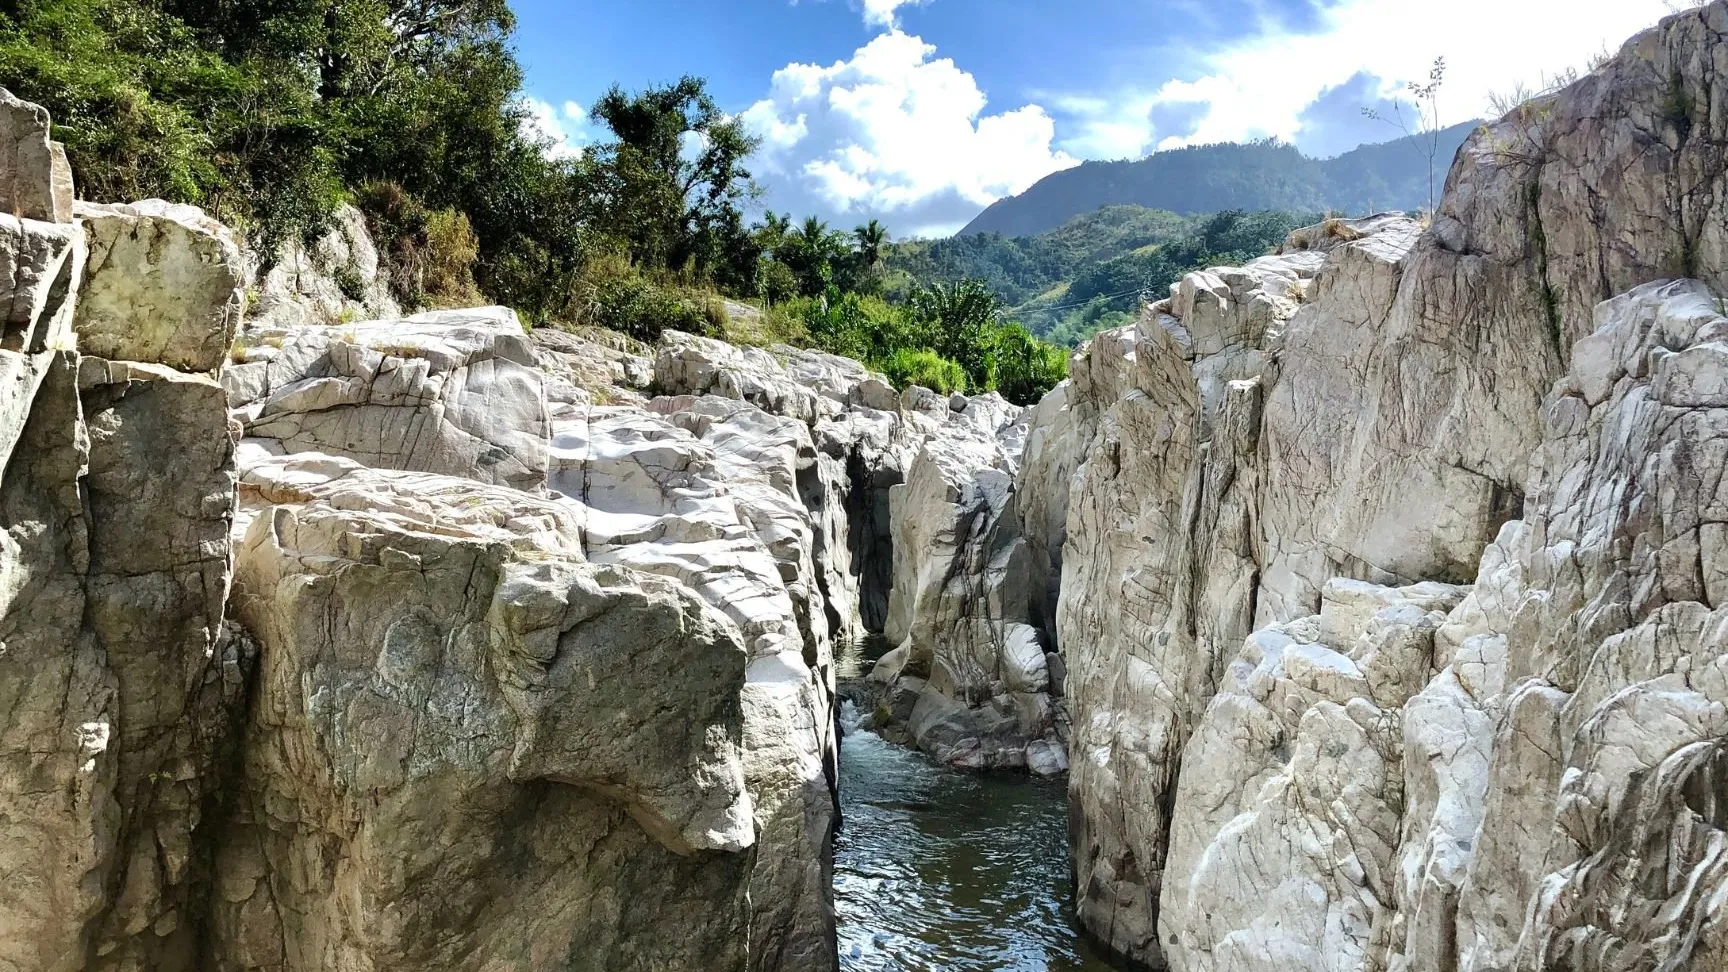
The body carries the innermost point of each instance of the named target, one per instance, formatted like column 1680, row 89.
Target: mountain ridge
column 1253, row 176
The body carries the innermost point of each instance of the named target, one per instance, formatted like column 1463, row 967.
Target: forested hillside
column 1213, row 178
column 272, row 115
column 1091, row 272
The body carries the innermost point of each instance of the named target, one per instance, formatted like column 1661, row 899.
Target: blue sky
column 922, row 112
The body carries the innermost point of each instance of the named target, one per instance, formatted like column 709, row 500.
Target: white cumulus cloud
column 1259, row 81
column 886, row 13
column 561, row 130
column 896, row 133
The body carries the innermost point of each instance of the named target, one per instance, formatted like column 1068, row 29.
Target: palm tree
column 814, row 232
column 872, row 238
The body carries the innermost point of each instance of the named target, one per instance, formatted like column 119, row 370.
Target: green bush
column 427, row 256
column 909, row 366
column 786, row 323
column 857, row 326
column 451, row 249
column 1026, row 367
column 613, row 294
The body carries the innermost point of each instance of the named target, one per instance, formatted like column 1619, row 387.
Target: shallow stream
column 943, row 871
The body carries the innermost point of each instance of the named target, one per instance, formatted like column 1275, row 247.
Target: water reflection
column 941, row 871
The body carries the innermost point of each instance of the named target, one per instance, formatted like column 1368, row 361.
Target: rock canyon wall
column 1371, row 594
column 428, row 642
column 1390, row 590
column 381, row 645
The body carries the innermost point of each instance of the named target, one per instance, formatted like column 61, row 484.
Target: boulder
column 163, row 284
column 707, row 493
column 514, row 695
column 794, row 382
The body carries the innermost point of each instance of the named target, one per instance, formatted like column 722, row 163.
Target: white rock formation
column 453, row 392
column 448, row 717
column 961, row 609
column 335, row 280
column 162, row 284
column 805, row 385
column 1383, row 580
column 35, row 178
column 445, row 684
column 1528, row 783
column 706, row 491
column 118, row 676
column 1285, row 836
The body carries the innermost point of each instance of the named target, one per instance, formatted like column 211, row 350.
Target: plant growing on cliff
column 1424, row 128
column 909, row 366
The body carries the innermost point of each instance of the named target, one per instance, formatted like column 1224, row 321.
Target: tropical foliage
column 273, row 113
column 1092, row 272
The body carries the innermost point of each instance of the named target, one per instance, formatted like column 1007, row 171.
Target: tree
column 1026, row 367
column 812, row 252
column 872, row 239
column 1425, row 102
column 671, row 182
column 957, row 321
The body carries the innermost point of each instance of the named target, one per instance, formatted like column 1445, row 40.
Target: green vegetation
column 271, row 114
column 1091, row 273
column 274, row 113
column 909, row 367
column 950, row 337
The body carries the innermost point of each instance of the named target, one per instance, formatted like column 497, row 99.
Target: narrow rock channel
column 942, row 870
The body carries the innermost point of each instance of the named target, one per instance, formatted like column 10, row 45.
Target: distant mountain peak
column 1263, row 175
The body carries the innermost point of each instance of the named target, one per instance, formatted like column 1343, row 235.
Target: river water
column 942, row 871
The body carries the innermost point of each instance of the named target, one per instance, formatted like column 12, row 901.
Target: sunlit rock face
column 1387, row 580
column 162, row 284
column 1523, row 773
column 916, row 536
column 705, row 492
column 694, row 497
column 119, row 679
column 1372, row 594
column 429, row 687
column 451, row 392
column 1166, row 428
column 549, row 741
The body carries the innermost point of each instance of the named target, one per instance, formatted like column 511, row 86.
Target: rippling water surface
column 941, row 871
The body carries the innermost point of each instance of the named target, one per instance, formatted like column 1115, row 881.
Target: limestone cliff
column 378, row 645
column 1385, row 569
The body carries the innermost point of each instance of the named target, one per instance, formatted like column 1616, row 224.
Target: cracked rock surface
column 1386, row 577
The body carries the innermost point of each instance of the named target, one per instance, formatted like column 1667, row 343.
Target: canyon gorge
column 1371, row 597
